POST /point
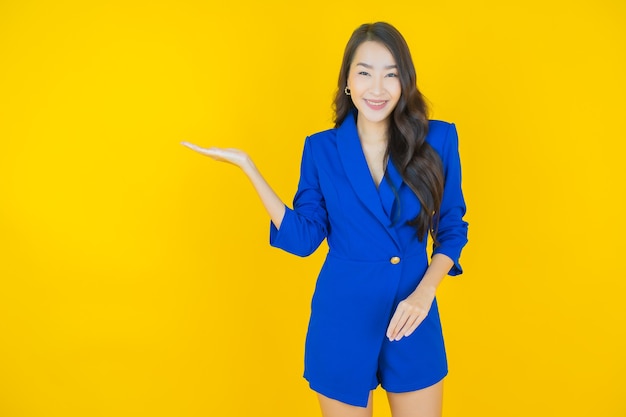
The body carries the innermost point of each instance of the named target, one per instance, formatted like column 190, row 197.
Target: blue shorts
column 345, row 360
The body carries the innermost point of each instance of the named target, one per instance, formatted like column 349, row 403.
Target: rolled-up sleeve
column 452, row 229
column 306, row 225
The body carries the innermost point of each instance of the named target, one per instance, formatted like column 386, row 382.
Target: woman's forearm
column 439, row 267
column 272, row 203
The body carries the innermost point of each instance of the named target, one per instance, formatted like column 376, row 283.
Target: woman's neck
column 372, row 133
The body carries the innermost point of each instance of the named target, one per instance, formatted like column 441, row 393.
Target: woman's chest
column 375, row 159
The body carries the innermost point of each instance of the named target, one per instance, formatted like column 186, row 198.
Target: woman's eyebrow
column 363, row 64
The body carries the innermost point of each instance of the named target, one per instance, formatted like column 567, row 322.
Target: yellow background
column 136, row 277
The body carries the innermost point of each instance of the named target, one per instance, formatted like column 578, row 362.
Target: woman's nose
column 377, row 85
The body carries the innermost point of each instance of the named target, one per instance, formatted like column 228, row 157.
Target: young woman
column 374, row 187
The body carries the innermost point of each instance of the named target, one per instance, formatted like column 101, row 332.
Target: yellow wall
column 136, row 277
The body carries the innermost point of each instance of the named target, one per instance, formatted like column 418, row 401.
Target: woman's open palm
column 230, row 155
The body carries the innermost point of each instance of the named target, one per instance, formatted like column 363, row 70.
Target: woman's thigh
column 425, row 402
column 334, row 408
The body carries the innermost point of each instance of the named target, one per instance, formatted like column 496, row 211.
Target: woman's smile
column 376, row 104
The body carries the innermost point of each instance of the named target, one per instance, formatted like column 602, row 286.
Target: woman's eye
column 392, row 75
column 363, row 73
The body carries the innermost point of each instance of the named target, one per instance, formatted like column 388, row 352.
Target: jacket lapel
column 355, row 165
column 389, row 191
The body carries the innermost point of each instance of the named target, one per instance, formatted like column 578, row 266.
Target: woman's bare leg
column 334, row 408
column 425, row 402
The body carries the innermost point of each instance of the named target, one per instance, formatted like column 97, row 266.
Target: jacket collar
column 379, row 201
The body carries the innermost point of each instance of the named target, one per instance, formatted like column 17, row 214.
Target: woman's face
column 373, row 82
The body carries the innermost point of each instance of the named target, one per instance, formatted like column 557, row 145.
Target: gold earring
column 346, row 90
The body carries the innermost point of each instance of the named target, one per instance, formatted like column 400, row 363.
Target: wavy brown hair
column 418, row 163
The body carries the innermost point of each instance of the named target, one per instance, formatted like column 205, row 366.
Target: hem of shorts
column 399, row 389
column 338, row 395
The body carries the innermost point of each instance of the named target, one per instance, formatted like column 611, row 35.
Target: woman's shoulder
column 439, row 127
column 323, row 138
column 441, row 134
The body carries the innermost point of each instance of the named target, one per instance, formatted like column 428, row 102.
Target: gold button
column 395, row 260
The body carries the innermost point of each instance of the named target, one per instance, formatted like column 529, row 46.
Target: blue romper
column 374, row 261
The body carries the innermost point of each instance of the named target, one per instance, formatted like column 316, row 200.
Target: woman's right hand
column 273, row 204
column 231, row 155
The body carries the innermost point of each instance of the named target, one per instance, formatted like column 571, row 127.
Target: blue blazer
column 374, row 259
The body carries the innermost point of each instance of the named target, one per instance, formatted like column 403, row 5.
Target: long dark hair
column 418, row 163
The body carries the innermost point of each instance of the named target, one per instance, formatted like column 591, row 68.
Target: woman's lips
column 376, row 104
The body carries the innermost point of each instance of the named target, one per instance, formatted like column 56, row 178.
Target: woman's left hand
column 411, row 312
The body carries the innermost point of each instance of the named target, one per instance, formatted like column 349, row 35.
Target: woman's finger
column 410, row 319
column 405, row 317
column 234, row 156
column 414, row 326
column 395, row 324
column 410, row 326
column 405, row 320
column 196, row 148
